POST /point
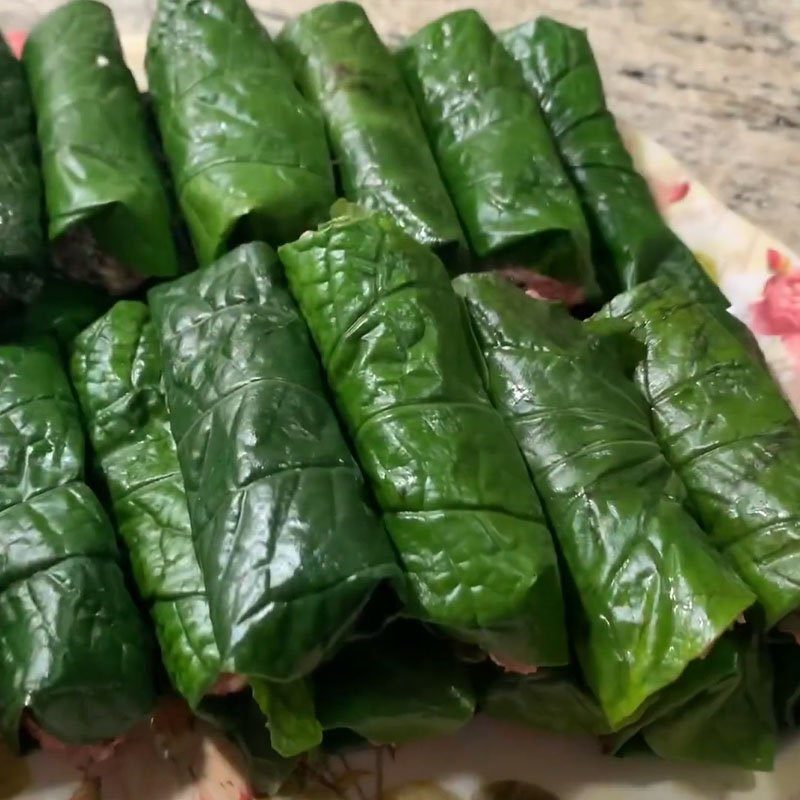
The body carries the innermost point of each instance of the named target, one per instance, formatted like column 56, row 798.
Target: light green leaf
column 291, row 718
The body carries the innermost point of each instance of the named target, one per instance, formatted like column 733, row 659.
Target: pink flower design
column 16, row 41
column 777, row 313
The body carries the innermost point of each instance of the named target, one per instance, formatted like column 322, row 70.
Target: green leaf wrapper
column 653, row 594
column 21, row 232
column 290, row 714
column 455, row 495
column 116, row 370
column 632, row 241
column 403, row 685
column 558, row 700
column 247, row 153
column 99, row 169
column 549, row 700
column 785, row 655
column 383, row 157
column 720, row 712
column 495, row 151
column 729, row 434
column 288, row 546
column 73, row 648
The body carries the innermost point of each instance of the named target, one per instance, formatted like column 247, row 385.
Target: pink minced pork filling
column 83, row 756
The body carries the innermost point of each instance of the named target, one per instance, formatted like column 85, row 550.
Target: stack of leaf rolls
column 428, row 414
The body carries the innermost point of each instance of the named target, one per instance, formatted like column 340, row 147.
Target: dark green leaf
column 60, row 308
column 116, row 369
column 382, row 154
column 18, row 286
column 633, row 243
column 248, row 154
column 785, row 655
column 99, row 170
column 447, row 474
column 403, row 685
column 73, row 649
column 289, row 548
column 21, row 233
column 728, row 432
column 550, row 700
column 495, row 151
column 731, row 722
column 652, row 594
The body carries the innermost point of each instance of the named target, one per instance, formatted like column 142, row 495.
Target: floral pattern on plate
column 758, row 274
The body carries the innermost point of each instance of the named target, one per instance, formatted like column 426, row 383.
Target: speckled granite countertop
column 716, row 81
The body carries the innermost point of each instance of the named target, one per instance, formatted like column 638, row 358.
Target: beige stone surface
column 716, row 81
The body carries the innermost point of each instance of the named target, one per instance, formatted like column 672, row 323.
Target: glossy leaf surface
column 382, row 154
column 116, row 369
column 728, row 432
column 73, row 648
column 99, row 168
column 446, row 472
column 653, row 594
column 632, row 243
column 247, row 153
column 21, row 232
column 288, row 546
column 495, row 150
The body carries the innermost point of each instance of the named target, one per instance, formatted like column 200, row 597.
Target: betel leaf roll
column 103, row 187
column 448, row 477
column 404, row 684
column 74, row 652
column 116, row 369
column 718, row 711
column 632, row 241
column 495, row 151
column 729, row 719
column 288, row 546
column 21, row 231
column 653, row 594
column 247, row 152
column 727, row 431
column 383, row 157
